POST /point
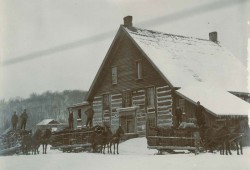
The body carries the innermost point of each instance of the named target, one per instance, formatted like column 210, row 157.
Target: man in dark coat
column 200, row 117
column 89, row 112
column 14, row 120
column 71, row 120
column 178, row 115
column 23, row 118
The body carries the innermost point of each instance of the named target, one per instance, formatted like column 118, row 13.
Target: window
column 182, row 104
column 139, row 69
column 114, row 75
column 79, row 113
column 151, row 97
column 106, row 101
column 127, row 102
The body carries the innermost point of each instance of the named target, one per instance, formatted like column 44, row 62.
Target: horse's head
column 120, row 131
column 48, row 132
column 38, row 134
column 99, row 129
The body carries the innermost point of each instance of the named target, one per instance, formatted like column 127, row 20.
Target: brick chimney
column 128, row 21
column 213, row 36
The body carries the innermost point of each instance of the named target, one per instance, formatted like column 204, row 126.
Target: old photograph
column 124, row 84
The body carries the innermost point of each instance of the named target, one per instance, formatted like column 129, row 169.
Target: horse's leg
column 223, row 148
column 114, row 147
column 228, row 148
column 237, row 147
column 110, row 146
column 103, row 148
column 241, row 148
column 46, row 148
column 43, row 148
column 228, row 144
column 38, row 148
column 117, row 147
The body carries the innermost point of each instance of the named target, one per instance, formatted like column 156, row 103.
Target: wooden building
column 51, row 124
column 80, row 117
column 146, row 74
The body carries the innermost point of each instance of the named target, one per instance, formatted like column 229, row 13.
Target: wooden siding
column 125, row 57
column 97, row 107
column 116, row 102
column 164, row 106
column 138, row 99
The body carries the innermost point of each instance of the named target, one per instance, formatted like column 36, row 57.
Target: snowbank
column 133, row 155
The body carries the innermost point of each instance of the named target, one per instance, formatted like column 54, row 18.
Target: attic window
column 79, row 113
column 151, row 97
column 139, row 69
column 114, row 75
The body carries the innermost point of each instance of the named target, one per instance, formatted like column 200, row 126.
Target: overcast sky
column 34, row 25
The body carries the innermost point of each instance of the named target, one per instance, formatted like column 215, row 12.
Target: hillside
column 40, row 106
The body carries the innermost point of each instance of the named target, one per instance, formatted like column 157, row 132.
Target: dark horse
column 35, row 143
column 98, row 138
column 107, row 136
column 116, row 139
column 26, row 141
column 45, row 138
column 217, row 138
column 239, row 131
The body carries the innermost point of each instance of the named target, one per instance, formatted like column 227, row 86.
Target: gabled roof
column 187, row 63
column 184, row 61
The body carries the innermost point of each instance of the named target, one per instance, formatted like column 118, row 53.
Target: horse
column 107, row 136
column 45, row 139
column 26, row 141
column 116, row 139
column 36, row 139
column 98, row 137
column 217, row 137
column 238, row 132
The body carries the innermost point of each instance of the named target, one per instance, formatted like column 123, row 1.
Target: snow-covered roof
column 216, row 100
column 184, row 61
column 47, row 122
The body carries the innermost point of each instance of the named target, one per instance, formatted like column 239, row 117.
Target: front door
column 128, row 123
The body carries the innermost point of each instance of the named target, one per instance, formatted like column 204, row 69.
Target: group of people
column 89, row 113
column 199, row 115
column 23, row 120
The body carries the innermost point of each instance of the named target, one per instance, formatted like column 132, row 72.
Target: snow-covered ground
column 133, row 155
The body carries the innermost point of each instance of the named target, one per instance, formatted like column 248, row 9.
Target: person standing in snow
column 90, row 113
column 71, row 120
column 200, row 117
column 14, row 120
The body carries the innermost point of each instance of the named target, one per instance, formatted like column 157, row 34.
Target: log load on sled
column 78, row 140
column 11, row 142
column 170, row 139
column 195, row 139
